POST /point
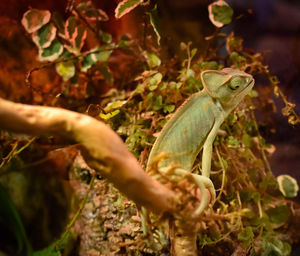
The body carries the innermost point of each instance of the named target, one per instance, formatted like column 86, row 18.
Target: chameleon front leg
column 201, row 180
column 207, row 147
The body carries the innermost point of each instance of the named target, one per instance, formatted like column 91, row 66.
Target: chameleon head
column 229, row 86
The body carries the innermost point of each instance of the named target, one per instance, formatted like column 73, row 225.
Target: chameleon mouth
column 246, row 88
column 250, row 84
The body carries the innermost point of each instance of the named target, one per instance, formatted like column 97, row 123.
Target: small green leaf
column 125, row 7
column 183, row 46
column 246, row 236
column 247, row 140
column 44, row 36
column 87, row 63
column 207, row 65
column 169, row 108
column 253, row 93
column 124, row 41
column 154, row 81
column 288, row 185
column 106, row 38
column 90, row 59
column 109, row 115
column 65, row 69
column 232, row 142
column 52, row 52
column 153, row 60
column 234, row 56
column 34, row 19
column 193, row 52
column 103, row 55
column 279, row 214
column 190, row 73
column 157, row 104
column 114, row 105
column 220, row 13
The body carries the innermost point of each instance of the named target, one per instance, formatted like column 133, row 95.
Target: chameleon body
column 195, row 124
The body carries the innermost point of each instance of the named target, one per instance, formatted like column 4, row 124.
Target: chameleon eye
column 235, row 83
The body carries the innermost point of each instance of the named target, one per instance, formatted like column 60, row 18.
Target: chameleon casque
column 195, row 124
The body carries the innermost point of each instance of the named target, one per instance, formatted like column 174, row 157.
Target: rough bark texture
column 102, row 149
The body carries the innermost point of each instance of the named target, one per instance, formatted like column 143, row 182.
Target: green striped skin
column 183, row 136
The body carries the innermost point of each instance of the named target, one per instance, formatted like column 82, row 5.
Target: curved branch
column 101, row 147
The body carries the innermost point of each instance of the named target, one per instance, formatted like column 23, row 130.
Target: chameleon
column 194, row 126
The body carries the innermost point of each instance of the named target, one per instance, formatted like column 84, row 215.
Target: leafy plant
column 252, row 208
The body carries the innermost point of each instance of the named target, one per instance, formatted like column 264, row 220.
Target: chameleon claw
column 204, row 200
column 208, row 184
column 204, row 183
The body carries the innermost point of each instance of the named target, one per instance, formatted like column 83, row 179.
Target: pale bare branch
column 101, row 147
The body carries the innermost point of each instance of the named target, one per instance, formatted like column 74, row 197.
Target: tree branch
column 101, row 147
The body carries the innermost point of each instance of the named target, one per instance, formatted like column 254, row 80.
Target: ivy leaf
column 65, row 69
column 52, row 52
column 91, row 13
column 44, row 36
column 288, row 186
column 75, row 34
column 34, row 19
column 125, row 7
column 98, row 54
column 220, row 13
